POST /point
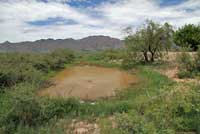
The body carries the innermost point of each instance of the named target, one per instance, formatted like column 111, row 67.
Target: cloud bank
column 23, row 20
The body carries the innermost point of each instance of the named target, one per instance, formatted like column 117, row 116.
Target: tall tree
column 188, row 36
column 150, row 40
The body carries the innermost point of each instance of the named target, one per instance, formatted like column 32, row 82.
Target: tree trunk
column 152, row 56
column 146, row 56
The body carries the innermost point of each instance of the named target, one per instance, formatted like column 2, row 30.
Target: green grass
column 145, row 102
column 103, row 108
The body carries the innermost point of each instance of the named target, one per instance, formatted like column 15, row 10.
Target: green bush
column 110, row 55
column 31, row 111
column 165, row 115
column 186, row 61
column 130, row 59
column 188, row 109
column 185, row 74
column 134, row 124
column 179, row 113
column 54, row 61
column 13, row 74
column 19, row 67
column 189, row 64
column 188, row 36
column 26, row 111
column 59, row 108
column 197, row 60
column 25, row 72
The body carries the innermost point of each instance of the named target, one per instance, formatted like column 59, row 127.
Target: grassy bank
column 155, row 105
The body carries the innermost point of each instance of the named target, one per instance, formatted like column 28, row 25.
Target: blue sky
column 52, row 21
column 23, row 20
column 92, row 3
column 171, row 2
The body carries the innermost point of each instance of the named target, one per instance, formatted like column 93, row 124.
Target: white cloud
column 136, row 11
column 112, row 17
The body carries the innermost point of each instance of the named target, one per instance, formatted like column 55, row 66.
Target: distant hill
column 91, row 43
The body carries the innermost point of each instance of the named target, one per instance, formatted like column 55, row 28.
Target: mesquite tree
column 151, row 40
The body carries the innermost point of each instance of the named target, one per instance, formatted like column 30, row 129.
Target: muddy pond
column 88, row 82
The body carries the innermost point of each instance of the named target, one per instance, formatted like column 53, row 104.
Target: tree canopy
column 188, row 36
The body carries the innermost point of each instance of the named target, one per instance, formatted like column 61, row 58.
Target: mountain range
column 91, row 43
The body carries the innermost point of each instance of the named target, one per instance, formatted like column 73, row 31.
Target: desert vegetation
column 154, row 104
column 150, row 40
column 188, row 36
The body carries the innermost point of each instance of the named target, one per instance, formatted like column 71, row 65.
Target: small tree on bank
column 150, row 41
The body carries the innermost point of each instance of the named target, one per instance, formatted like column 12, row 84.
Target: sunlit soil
column 88, row 82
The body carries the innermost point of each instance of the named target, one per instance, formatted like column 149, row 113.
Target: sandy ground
column 173, row 69
column 88, row 82
column 172, row 74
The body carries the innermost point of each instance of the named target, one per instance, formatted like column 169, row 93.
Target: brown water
column 88, row 82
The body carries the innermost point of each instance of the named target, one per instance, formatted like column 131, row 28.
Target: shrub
column 25, row 111
column 19, row 67
column 191, row 113
column 186, row 65
column 186, row 62
column 197, row 60
column 189, row 64
column 54, row 61
column 13, row 74
column 109, row 55
column 112, row 54
column 129, row 60
column 59, row 108
column 134, row 124
column 185, row 74
column 30, row 111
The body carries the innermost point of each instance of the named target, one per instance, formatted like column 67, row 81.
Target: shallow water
column 88, row 82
